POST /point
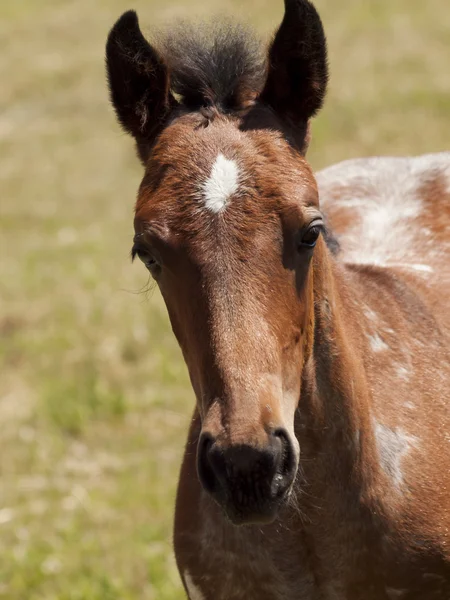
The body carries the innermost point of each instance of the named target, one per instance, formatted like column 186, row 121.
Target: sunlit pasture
column 94, row 397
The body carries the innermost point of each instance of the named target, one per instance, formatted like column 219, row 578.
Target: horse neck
column 333, row 421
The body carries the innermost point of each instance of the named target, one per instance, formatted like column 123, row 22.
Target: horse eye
column 149, row 261
column 311, row 235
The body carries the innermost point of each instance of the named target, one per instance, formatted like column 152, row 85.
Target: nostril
column 204, row 468
column 287, row 462
column 205, row 442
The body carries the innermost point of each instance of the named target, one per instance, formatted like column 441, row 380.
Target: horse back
column 394, row 213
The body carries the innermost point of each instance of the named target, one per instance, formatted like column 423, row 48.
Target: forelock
column 213, row 64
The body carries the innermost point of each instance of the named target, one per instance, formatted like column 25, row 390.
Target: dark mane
column 213, row 64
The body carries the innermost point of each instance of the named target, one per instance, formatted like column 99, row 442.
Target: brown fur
column 347, row 354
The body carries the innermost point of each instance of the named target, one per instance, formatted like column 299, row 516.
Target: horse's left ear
column 298, row 71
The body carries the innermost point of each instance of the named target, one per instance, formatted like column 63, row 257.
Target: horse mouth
column 253, row 500
column 245, row 509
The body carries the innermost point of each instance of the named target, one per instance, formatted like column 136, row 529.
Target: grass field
column 94, row 397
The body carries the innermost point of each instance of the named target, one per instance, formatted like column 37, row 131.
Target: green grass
column 94, row 397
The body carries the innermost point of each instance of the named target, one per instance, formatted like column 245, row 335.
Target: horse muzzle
column 248, row 482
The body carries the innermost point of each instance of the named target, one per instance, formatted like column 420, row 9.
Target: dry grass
column 94, row 398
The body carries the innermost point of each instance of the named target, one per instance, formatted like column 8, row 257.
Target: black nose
column 249, row 482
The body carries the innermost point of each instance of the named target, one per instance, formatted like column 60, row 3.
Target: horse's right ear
column 138, row 81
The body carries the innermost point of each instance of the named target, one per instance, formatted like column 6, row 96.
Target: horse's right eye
column 310, row 236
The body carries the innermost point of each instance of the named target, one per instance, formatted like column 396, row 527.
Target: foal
column 318, row 459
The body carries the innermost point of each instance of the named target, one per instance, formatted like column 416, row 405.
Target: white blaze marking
column 193, row 591
column 222, row 183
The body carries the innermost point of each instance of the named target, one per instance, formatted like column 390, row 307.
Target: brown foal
column 317, row 465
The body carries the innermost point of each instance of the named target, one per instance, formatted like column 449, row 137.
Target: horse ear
column 138, row 81
column 298, row 72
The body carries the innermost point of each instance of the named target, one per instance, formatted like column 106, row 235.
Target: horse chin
column 262, row 513
column 239, row 517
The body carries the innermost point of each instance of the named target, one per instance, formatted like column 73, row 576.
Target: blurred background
column 94, row 396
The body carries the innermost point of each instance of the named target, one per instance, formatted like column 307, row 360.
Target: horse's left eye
column 149, row 261
column 311, row 235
